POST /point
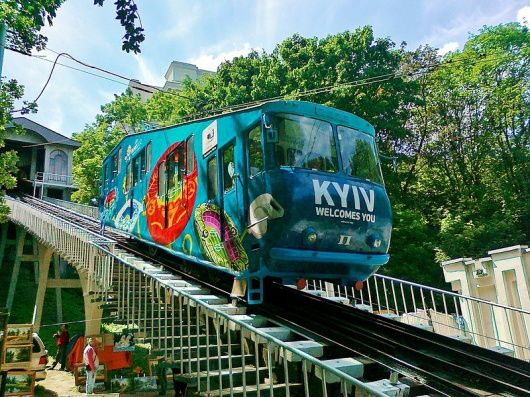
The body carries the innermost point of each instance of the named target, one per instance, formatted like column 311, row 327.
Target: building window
column 58, row 163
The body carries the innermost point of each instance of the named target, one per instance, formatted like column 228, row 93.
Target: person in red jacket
column 62, row 337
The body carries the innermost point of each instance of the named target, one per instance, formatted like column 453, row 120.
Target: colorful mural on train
column 273, row 190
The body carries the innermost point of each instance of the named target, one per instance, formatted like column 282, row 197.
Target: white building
column 175, row 76
column 502, row 278
column 44, row 159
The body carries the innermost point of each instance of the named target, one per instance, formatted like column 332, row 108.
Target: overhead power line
column 325, row 89
column 138, row 84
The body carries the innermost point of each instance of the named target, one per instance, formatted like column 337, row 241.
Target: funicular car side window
column 190, row 158
column 162, row 179
column 228, row 167
column 147, row 158
column 136, row 164
column 212, row 177
column 115, row 165
column 255, row 153
column 128, row 177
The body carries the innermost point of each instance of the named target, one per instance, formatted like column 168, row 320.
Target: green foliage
column 9, row 92
column 118, row 118
column 472, row 174
column 457, row 126
column 127, row 14
column 26, row 20
column 411, row 251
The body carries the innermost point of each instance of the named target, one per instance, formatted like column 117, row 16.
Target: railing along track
column 441, row 362
column 446, row 366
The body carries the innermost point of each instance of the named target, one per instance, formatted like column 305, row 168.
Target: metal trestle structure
column 216, row 347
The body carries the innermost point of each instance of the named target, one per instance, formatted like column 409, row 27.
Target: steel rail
column 432, row 358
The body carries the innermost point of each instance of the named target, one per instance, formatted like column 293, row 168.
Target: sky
column 207, row 32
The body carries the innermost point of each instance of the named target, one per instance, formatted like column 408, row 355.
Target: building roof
column 48, row 135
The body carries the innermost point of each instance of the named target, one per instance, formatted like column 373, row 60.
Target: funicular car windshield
column 305, row 142
column 359, row 155
column 309, row 143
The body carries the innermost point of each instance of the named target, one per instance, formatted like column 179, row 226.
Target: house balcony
column 47, row 179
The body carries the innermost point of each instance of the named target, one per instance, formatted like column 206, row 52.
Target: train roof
column 297, row 107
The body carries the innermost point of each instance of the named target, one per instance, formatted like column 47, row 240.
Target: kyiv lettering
column 322, row 195
column 321, row 191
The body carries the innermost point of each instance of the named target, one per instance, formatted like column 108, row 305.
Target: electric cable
column 424, row 69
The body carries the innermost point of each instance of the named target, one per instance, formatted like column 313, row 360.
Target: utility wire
column 79, row 321
column 356, row 83
column 138, row 84
column 424, row 69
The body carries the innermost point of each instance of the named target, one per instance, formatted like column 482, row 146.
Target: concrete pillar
column 512, row 281
column 93, row 312
column 45, row 255
column 459, row 272
column 58, row 295
column 20, row 239
column 35, row 248
column 503, row 278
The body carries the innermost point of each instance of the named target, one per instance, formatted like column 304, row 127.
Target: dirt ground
column 61, row 384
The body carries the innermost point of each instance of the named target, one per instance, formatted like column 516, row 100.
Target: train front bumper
column 324, row 264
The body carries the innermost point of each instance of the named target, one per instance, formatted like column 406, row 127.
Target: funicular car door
column 219, row 220
column 135, row 183
column 173, row 194
column 257, row 214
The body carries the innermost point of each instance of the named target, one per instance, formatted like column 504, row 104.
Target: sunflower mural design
column 228, row 253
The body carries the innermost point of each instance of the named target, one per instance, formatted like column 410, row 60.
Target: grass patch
column 24, row 303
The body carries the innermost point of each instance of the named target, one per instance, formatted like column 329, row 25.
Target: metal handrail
column 478, row 321
column 96, row 236
column 450, row 293
column 242, row 324
column 83, row 209
column 46, row 177
column 94, row 254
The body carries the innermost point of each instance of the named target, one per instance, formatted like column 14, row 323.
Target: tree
column 24, row 21
column 9, row 92
column 122, row 116
column 472, row 176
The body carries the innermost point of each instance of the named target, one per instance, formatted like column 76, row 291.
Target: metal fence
column 75, row 244
column 83, row 209
column 216, row 347
column 487, row 324
column 54, row 179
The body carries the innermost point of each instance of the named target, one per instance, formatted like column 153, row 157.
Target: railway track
column 441, row 362
column 429, row 363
